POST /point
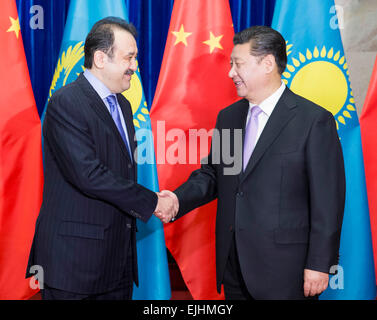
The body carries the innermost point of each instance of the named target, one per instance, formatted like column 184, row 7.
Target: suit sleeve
column 200, row 188
column 327, row 193
column 67, row 135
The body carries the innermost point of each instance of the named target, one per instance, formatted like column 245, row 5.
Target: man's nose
column 231, row 72
column 133, row 65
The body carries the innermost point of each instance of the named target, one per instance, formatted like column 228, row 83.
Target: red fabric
column 193, row 87
column 368, row 127
column 21, row 176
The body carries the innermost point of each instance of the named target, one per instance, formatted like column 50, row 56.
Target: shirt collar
column 268, row 104
column 97, row 84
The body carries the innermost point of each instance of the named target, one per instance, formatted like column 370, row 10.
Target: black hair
column 101, row 37
column 263, row 41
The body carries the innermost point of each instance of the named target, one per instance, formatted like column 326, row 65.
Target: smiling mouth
column 237, row 83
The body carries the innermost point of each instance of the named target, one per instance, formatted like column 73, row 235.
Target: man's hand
column 315, row 282
column 167, row 206
column 171, row 195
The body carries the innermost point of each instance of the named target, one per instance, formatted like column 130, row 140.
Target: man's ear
column 99, row 59
column 269, row 63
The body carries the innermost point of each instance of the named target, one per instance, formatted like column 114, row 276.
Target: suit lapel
column 237, row 121
column 241, row 116
column 240, row 123
column 100, row 108
column 283, row 112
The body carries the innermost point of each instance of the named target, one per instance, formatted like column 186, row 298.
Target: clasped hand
column 167, row 206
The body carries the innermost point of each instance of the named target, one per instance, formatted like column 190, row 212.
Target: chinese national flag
column 21, row 176
column 368, row 126
column 193, row 87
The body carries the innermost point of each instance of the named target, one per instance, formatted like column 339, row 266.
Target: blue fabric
column 153, row 270
column 251, row 13
column 42, row 46
column 317, row 70
column 152, row 20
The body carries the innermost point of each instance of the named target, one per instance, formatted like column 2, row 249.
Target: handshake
column 167, row 206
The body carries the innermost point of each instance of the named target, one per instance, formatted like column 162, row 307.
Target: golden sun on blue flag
column 320, row 74
column 154, row 283
column 317, row 70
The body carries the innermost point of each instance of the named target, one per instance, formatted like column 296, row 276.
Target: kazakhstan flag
column 317, row 70
column 154, row 283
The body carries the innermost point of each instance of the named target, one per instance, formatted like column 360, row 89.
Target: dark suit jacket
column 86, row 225
column 285, row 211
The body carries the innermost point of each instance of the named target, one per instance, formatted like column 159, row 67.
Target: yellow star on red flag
column 213, row 42
column 181, row 36
column 15, row 26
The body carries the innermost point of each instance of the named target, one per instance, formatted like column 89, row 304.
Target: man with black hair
column 85, row 235
column 279, row 220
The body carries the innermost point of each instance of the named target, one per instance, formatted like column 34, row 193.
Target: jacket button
column 128, row 225
column 129, row 166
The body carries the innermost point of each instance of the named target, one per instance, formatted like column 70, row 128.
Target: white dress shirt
column 267, row 106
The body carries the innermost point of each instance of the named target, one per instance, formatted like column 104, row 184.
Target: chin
column 126, row 86
column 241, row 93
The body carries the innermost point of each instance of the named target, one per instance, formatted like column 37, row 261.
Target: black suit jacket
column 285, row 210
column 86, row 225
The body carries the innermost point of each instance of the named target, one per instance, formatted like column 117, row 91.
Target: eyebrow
column 131, row 53
column 235, row 58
